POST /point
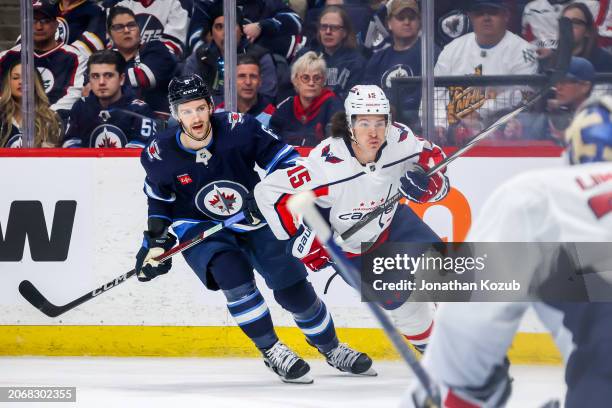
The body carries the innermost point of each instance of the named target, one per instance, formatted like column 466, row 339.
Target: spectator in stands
column 490, row 50
column 110, row 116
column 208, row 60
column 301, row 120
column 248, row 83
column 47, row 122
column 61, row 66
column 570, row 93
column 585, row 37
column 269, row 23
column 150, row 66
column 161, row 20
column 401, row 59
column 336, row 41
column 359, row 14
column 81, row 24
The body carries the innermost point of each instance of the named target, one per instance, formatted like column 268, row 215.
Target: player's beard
column 193, row 137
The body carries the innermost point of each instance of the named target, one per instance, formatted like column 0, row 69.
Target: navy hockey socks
column 310, row 314
column 249, row 310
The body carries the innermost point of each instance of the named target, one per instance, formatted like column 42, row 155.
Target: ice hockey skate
column 350, row 361
column 286, row 364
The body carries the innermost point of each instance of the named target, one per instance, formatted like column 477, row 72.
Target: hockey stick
column 564, row 56
column 33, row 295
column 303, row 204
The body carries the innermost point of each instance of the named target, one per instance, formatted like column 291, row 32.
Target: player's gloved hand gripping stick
column 33, row 295
column 564, row 55
column 303, row 204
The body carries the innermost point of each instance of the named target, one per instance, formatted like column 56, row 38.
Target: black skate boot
column 350, row 361
column 286, row 364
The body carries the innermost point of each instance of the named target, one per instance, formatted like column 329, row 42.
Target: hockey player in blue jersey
column 201, row 173
column 110, row 116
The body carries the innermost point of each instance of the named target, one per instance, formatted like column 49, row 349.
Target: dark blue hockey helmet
column 185, row 89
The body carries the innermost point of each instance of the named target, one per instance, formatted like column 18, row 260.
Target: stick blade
column 36, row 299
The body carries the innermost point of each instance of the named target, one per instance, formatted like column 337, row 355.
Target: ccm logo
column 109, row 285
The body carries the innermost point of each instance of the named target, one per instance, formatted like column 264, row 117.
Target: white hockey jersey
column 347, row 188
column 569, row 204
column 163, row 20
column 463, row 56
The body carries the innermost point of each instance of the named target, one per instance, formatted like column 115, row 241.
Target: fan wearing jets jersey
column 200, row 174
column 364, row 163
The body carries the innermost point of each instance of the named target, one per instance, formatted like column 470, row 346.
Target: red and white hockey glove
column 306, row 247
column 418, row 187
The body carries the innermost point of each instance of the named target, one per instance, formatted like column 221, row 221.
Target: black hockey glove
column 146, row 267
column 252, row 215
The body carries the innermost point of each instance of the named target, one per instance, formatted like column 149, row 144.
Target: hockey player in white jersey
column 362, row 165
column 570, row 204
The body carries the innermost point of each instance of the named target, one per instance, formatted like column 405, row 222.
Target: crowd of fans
column 103, row 67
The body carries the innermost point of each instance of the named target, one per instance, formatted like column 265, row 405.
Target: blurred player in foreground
column 573, row 204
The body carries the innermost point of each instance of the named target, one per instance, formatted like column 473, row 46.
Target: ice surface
column 198, row 382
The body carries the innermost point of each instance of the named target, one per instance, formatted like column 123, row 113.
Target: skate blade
column 305, row 379
column 370, row 372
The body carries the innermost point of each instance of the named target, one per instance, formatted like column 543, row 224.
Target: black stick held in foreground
column 39, row 301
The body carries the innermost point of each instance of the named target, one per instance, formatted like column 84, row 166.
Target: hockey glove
column 146, row 267
column 416, row 186
column 252, row 215
column 306, row 247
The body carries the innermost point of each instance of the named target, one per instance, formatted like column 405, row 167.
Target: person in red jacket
column 301, row 120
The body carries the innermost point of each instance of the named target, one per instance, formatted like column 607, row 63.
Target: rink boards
column 174, row 315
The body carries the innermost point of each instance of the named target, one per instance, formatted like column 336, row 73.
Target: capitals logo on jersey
column 221, row 199
column 107, row 136
column 329, row 156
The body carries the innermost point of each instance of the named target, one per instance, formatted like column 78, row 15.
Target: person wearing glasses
column 301, row 120
column 150, row 66
column 401, row 58
column 335, row 40
column 585, row 37
column 61, row 66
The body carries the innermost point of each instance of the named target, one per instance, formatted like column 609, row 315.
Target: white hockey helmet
column 366, row 100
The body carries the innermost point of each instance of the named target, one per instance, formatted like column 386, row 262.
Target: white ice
column 205, row 382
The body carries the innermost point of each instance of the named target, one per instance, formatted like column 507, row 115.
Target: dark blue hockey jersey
column 277, row 20
column 62, row 71
column 187, row 192
column 82, row 25
column 128, row 122
column 150, row 72
column 14, row 138
column 387, row 64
